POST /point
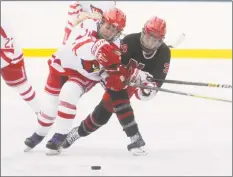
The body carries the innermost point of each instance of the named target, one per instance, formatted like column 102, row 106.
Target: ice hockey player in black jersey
column 147, row 53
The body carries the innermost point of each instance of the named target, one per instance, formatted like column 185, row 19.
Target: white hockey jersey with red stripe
column 79, row 10
column 11, row 53
column 76, row 53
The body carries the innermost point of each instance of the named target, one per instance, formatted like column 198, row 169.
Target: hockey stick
column 190, row 83
column 179, row 40
column 178, row 92
column 177, row 43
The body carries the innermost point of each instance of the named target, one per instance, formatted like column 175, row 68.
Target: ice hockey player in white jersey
column 74, row 69
column 81, row 10
column 13, row 67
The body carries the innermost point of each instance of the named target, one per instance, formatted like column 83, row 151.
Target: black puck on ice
column 95, row 167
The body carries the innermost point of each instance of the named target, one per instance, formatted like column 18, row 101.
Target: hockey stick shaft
column 191, row 83
column 179, row 40
column 180, row 93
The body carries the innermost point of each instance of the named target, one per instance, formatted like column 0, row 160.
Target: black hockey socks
column 95, row 120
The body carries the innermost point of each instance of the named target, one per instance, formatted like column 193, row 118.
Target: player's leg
column 99, row 117
column 48, row 111
column 70, row 94
column 125, row 115
column 15, row 77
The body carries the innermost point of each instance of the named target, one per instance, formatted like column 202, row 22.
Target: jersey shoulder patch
column 124, row 48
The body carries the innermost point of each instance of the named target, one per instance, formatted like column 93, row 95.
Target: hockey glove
column 146, row 94
column 138, row 76
column 115, row 82
column 106, row 54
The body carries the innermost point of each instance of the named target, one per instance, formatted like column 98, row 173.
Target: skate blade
column 52, row 152
column 27, row 149
column 139, row 151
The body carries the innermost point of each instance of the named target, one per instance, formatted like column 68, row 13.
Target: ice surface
column 184, row 135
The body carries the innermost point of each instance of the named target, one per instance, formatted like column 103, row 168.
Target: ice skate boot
column 32, row 141
column 137, row 145
column 54, row 145
column 72, row 136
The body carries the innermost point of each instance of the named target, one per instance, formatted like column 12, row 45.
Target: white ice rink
column 184, row 135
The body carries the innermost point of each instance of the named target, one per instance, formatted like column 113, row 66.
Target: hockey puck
column 95, row 167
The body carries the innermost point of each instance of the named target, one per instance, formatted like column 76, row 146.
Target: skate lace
column 36, row 138
column 57, row 138
column 73, row 136
column 135, row 138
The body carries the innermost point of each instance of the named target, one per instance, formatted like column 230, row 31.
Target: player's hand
column 76, row 14
column 115, row 82
column 106, row 54
column 146, row 94
column 81, row 17
column 138, row 76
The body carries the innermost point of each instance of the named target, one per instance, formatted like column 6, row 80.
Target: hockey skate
column 32, row 141
column 137, row 145
column 71, row 138
column 54, row 145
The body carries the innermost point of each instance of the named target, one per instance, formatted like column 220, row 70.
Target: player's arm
column 76, row 14
column 82, row 44
column 126, row 49
column 75, row 9
column 86, row 46
column 8, row 51
column 159, row 72
column 117, row 76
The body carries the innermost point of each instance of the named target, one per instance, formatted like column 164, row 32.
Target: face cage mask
column 101, row 21
column 149, row 43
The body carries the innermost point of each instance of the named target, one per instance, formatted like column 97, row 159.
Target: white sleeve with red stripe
column 73, row 13
column 87, row 33
column 10, row 51
column 74, row 9
column 76, row 53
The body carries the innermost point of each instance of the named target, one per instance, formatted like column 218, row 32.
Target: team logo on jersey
column 124, row 48
column 134, row 64
column 90, row 66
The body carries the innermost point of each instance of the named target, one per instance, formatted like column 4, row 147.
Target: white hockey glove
column 83, row 16
column 139, row 77
column 76, row 14
column 146, row 94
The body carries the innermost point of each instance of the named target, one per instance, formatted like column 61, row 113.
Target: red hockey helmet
column 153, row 33
column 115, row 17
column 112, row 23
column 156, row 26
